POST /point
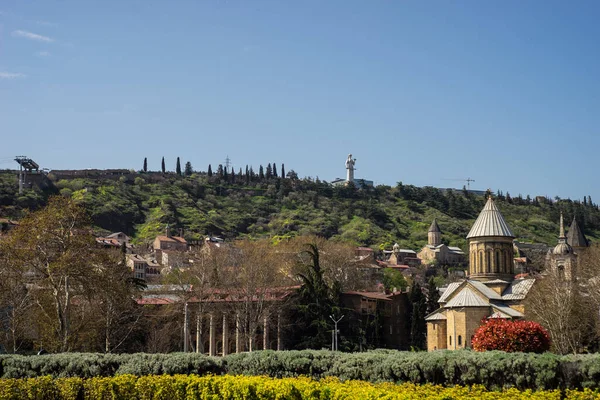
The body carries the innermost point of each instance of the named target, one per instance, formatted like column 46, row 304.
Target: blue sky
column 507, row 93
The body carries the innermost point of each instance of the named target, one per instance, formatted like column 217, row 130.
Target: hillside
column 141, row 204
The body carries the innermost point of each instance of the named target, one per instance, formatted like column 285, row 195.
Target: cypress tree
column 282, row 171
column 163, row 165
column 220, row 171
column 433, row 295
column 209, row 173
column 269, row 171
column 145, row 164
column 261, row 173
column 247, row 175
column 232, row 178
column 417, row 322
column 275, row 171
column 178, row 167
column 188, row 169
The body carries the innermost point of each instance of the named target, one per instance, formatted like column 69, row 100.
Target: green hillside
column 141, row 204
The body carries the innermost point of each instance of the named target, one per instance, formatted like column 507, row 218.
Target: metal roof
column 486, row 291
column 575, row 237
column 490, row 223
column 451, row 288
column 504, row 309
column 434, row 226
column 467, row 298
column 495, row 281
column 518, row 289
column 436, row 316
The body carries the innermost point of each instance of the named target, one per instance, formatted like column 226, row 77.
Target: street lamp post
column 334, row 333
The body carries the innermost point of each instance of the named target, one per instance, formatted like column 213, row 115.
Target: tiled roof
column 370, row 295
column 490, row 223
column 176, row 239
column 518, row 289
column 466, row 298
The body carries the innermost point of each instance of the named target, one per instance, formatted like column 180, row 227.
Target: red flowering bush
column 510, row 336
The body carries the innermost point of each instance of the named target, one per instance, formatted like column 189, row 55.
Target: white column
column 266, row 332
column 225, row 335
column 199, row 344
column 238, row 337
column 212, row 348
column 279, row 331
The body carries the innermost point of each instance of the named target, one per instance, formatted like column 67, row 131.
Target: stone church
column 489, row 291
column 437, row 252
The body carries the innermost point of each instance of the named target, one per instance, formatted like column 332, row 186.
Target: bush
column 250, row 388
column 511, row 336
column 495, row 370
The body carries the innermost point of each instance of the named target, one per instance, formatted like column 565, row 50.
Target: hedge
column 188, row 387
column 493, row 369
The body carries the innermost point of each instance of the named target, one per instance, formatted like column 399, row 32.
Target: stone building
column 563, row 258
column 437, row 252
column 490, row 290
column 165, row 244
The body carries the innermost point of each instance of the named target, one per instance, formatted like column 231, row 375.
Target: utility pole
column 227, row 163
column 334, row 333
column 186, row 328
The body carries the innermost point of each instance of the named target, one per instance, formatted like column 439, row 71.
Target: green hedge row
column 492, row 369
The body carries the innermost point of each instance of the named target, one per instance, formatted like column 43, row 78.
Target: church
column 437, row 252
column 491, row 289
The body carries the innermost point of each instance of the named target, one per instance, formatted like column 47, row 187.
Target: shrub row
column 493, row 369
column 188, row 387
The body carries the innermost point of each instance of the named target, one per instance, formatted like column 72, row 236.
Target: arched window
column 459, row 340
column 497, row 266
column 561, row 271
column 488, row 267
column 480, row 264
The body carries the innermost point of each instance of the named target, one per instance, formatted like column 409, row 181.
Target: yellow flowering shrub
column 237, row 387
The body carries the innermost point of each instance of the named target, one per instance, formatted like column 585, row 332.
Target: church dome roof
column 490, row 223
column 562, row 249
column 434, row 226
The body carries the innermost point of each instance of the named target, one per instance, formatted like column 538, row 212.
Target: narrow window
column 459, row 340
column 450, row 337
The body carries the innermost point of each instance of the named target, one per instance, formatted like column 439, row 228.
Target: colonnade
column 229, row 328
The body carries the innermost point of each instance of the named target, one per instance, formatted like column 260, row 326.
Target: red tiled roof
column 176, row 239
column 370, row 295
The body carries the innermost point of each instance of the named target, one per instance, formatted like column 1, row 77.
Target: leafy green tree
column 162, row 165
column 393, row 279
column 145, row 164
column 178, row 167
column 188, row 171
column 220, row 171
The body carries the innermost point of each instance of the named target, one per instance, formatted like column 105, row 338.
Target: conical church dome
column 490, row 223
column 562, row 248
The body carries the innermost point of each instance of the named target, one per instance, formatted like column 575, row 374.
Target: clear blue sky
column 505, row 92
